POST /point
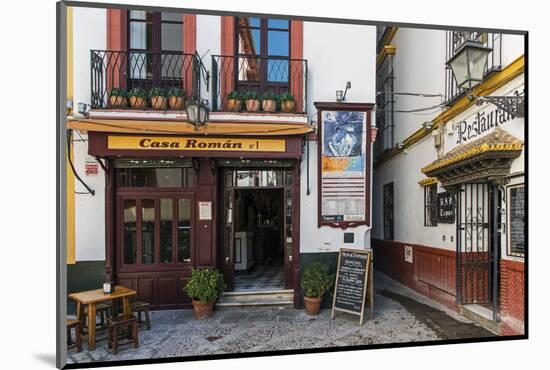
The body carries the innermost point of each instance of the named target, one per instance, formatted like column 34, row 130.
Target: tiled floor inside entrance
column 260, row 278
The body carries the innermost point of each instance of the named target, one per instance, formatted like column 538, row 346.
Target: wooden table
column 91, row 297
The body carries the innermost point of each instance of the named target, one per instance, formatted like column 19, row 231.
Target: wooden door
column 229, row 237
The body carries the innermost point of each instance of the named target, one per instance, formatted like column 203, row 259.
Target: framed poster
column 344, row 164
column 516, row 220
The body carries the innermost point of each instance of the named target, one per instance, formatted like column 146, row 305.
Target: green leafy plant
column 251, row 95
column 157, row 91
column 316, row 280
column 234, row 95
column 117, row 91
column 138, row 92
column 269, row 96
column 176, row 91
column 205, row 285
column 286, row 97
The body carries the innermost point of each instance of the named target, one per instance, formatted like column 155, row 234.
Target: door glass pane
column 277, row 70
column 166, row 226
column 140, row 35
column 277, row 23
column 249, row 41
column 249, row 22
column 184, row 230
column 129, row 231
column 277, row 43
column 148, row 231
column 172, row 36
column 138, row 14
column 174, row 17
column 249, row 69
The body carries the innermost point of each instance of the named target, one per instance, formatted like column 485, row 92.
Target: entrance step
column 481, row 315
column 259, row 299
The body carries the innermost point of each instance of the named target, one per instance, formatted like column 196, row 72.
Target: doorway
column 256, row 237
column 478, row 245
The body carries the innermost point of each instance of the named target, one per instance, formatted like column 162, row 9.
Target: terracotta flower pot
column 137, row 102
column 202, row 310
column 252, row 105
column 176, row 102
column 234, row 105
column 288, row 106
column 158, row 102
column 269, row 105
column 313, row 305
column 118, row 102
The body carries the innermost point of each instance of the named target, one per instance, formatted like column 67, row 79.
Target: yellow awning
column 185, row 128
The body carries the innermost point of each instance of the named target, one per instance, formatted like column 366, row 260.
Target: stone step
column 482, row 316
column 258, row 299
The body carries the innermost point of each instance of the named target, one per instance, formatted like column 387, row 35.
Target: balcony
column 260, row 75
column 455, row 39
column 114, row 74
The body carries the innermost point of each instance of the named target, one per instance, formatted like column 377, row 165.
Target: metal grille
column 477, row 244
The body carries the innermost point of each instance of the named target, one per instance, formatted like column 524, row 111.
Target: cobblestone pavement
column 400, row 315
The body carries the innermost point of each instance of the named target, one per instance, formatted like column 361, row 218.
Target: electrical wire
column 69, row 138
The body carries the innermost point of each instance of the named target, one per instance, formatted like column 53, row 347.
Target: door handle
column 227, row 259
column 290, row 258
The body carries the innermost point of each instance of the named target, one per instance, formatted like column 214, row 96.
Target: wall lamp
column 198, row 113
column 341, row 95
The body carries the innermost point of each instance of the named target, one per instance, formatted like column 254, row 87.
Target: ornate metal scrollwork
column 513, row 105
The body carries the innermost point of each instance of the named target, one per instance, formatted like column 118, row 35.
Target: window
column 169, row 177
column 385, row 105
column 263, row 52
column 388, row 211
column 516, row 220
column 156, row 229
column 155, row 43
column 430, row 205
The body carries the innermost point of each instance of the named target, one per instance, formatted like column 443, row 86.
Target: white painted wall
column 90, row 32
column 337, row 53
column 419, row 67
column 89, row 210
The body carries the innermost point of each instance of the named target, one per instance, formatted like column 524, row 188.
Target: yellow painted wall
column 70, row 176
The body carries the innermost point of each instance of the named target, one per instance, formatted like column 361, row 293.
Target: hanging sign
column 344, row 166
column 445, row 208
column 196, row 143
column 354, row 283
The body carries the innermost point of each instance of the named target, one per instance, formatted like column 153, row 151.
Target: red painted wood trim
column 189, row 47
column 116, row 40
column 227, row 47
column 297, row 52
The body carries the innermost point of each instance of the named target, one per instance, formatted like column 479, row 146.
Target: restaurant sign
column 196, row 143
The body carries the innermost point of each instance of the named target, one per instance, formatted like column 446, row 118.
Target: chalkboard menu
column 352, row 279
column 445, row 208
column 516, row 220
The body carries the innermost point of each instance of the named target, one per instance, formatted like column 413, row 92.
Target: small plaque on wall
column 445, row 208
column 408, row 254
column 205, row 211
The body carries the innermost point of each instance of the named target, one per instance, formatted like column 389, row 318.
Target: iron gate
column 477, row 244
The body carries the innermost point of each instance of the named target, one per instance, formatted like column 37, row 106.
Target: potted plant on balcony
column 118, row 98
column 315, row 282
column 204, row 288
column 158, row 98
column 234, row 101
column 176, row 98
column 287, row 102
column 252, row 100
column 269, row 102
column 138, row 98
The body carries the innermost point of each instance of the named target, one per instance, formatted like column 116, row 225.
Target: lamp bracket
column 514, row 105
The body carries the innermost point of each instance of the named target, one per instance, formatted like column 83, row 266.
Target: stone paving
column 400, row 315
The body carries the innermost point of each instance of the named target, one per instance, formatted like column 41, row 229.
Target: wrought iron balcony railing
column 455, row 39
column 125, row 70
column 242, row 74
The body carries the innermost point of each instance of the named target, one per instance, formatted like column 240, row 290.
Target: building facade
column 449, row 193
column 155, row 195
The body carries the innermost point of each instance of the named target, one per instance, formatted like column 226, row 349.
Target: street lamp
column 468, row 63
column 197, row 113
column 468, row 66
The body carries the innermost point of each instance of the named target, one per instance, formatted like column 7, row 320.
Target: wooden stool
column 128, row 322
column 139, row 307
column 103, row 310
column 74, row 324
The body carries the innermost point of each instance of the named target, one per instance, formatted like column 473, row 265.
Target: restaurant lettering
column 195, row 143
column 484, row 121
